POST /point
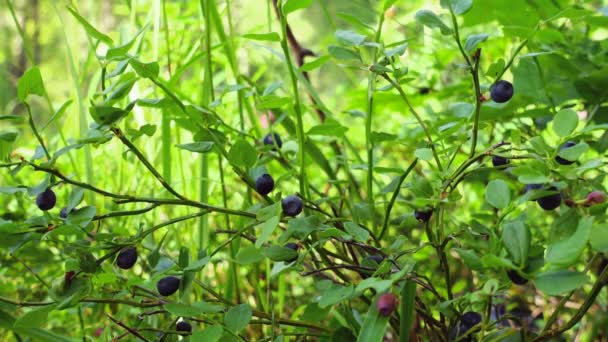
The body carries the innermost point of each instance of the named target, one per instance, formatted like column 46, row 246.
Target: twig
column 131, row 330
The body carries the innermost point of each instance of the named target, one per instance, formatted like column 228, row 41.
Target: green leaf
column 106, row 115
column 341, row 53
column 146, row 70
column 91, row 31
column 330, row 129
column 599, row 238
column 374, row 325
column 268, row 228
column 356, row 231
column 209, row 334
column 430, row 19
column 495, row 68
column 272, row 101
column 565, row 122
column 470, row 258
column 237, row 318
column 271, row 36
column 407, row 310
column 119, row 52
column 34, row 318
column 249, row 255
column 566, row 252
column 424, row 153
column 474, row 40
column 498, row 194
column 279, row 253
column 531, row 175
column 309, row 66
column 396, row 51
column 349, row 38
column 458, row 6
column 290, row 6
column 554, row 283
column 516, row 238
column 206, row 308
column 184, row 257
column 82, row 216
column 30, row 83
column 335, row 294
column 197, row 147
column 242, row 154
column 197, row 265
column 573, row 153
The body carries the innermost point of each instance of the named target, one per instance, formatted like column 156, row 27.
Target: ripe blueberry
column 295, row 247
column 126, row 258
column 501, row 91
column 167, row 285
column 423, row 215
column 550, row 202
column 184, row 327
column 386, row 304
column 375, row 258
column 46, row 200
column 64, row 212
column 499, row 161
column 467, row 322
column 516, row 278
column 292, row 205
column 561, row 160
column 274, row 138
column 264, row 184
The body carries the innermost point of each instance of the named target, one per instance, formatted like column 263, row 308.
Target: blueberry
column 470, row 319
column 64, row 212
column 126, row 258
column 264, row 184
column 292, row 205
column 268, row 139
column 386, row 304
column 467, row 322
column 167, row 285
column 516, row 278
column 499, row 161
column 550, row 202
column 501, row 91
column 561, row 160
column 377, row 258
column 295, row 247
column 184, row 327
column 423, row 215
column 46, row 200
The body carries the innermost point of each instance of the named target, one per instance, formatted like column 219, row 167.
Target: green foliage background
column 215, row 76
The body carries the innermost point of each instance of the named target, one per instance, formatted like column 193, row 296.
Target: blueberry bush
column 304, row 170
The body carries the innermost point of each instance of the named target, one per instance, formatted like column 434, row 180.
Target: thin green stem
column 391, row 203
column 33, row 126
column 296, row 97
column 418, row 118
column 369, row 144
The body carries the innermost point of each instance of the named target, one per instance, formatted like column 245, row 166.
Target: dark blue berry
column 516, row 278
column 46, row 200
column 292, row 205
column 423, row 215
column 501, row 91
column 499, row 161
column 561, row 160
column 183, row 327
column 264, row 184
column 167, row 285
column 126, row 258
column 268, row 139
